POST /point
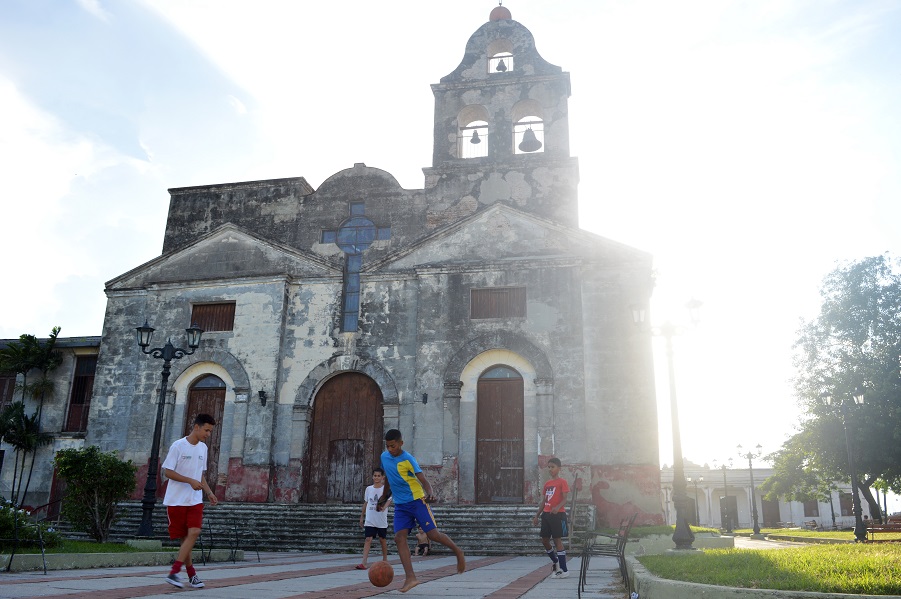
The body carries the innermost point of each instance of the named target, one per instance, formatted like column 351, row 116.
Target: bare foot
column 461, row 561
column 409, row 584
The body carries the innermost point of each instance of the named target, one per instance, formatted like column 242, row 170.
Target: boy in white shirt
column 373, row 521
column 184, row 467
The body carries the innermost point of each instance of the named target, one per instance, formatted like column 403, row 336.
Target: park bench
column 226, row 531
column 891, row 525
column 811, row 525
column 616, row 548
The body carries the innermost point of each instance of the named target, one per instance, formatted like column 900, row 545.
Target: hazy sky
column 746, row 145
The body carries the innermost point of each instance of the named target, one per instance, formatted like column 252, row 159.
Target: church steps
column 482, row 529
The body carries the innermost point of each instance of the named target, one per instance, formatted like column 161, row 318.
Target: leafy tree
column 95, row 483
column 852, row 345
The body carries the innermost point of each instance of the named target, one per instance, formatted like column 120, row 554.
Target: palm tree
column 24, row 434
column 21, row 431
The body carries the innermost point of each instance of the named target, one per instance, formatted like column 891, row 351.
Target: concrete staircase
column 479, row 529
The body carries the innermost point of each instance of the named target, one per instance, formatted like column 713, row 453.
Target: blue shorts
column 407, row 515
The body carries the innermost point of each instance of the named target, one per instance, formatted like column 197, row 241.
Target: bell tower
column 501, row 129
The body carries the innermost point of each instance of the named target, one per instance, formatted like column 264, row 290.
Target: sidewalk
column 321, row 576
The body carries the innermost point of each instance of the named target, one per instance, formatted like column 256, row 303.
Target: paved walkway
column 321, row 576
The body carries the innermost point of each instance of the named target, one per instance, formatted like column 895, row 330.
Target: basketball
column 381, row 574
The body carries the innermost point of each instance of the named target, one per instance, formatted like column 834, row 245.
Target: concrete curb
column 23, row 562
column 649, row 586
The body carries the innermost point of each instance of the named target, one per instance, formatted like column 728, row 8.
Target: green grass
column 859, row 569
column 821, row 534
column 67, row 546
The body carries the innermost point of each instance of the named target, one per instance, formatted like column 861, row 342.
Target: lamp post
column 750, row 455
column 860, row 529
column 683, row 537
column 727, row 521
column 700, row 479
column 167, row 353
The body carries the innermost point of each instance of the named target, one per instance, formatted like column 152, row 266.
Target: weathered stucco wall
column 503, row 220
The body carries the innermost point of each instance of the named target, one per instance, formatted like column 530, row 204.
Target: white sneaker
column 175, row 580
column 560, row 574
column 196, row 582
column 555, row 567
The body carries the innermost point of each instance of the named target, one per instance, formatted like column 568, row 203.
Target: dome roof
column 500, row 13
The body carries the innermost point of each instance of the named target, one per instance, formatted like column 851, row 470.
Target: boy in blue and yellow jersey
column 412, row 493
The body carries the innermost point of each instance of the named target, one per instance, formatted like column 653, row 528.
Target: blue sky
column 747, row 145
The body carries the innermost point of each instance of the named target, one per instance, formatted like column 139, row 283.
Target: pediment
column 227, row 253
column 501, row 233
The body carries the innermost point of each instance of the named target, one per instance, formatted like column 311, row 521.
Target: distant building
column 707, row 485
column 473, row 314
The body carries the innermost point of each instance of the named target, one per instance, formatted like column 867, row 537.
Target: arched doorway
column 499, row 436
column 345, row 439
column 207, row 396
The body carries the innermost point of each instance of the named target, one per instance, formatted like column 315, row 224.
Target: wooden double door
column 500, row 447
column 207, row 396
column 345, row 439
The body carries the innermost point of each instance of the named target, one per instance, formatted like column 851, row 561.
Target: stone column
column 544, row 397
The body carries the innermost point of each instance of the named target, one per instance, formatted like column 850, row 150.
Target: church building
column 472, row 314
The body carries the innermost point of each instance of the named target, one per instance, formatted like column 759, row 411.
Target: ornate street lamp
column 860, row 529
column 724, row 508
column 167, row 353
column 750, row 455
column 683, row 537
column 700, row 479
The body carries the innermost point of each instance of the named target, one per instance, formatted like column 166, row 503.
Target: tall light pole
column 167, row 353
column 683, row 537
column 700, row 479
column 751, row 455
column 724, row 508
column 860, row 529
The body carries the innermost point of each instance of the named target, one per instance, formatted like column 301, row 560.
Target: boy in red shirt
column 553, row 518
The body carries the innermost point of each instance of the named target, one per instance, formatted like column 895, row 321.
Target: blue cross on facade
column 353, row 237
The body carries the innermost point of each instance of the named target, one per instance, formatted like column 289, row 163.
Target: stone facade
column 291, row 260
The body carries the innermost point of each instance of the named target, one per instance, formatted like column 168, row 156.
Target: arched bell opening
column 472, row 133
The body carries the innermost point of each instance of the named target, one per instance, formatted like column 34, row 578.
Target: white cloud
column 94, row 8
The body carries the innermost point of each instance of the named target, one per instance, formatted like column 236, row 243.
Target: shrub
column 95, row 483
column 12, row 519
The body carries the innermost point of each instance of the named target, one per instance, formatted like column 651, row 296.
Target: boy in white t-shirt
column 373, row 521
column 184, row 467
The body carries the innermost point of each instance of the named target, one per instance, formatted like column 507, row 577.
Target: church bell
column 529, row 142
column 501, row 67
column 475, row 138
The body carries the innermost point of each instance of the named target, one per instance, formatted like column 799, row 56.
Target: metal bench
column 230, row 533
column 891, row 525
column 616, row 549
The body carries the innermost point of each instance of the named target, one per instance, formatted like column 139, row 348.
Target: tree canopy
column 852, row 346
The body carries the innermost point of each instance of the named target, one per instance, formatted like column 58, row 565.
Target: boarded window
column 498, row 302
column 811, row 509
column 80, row 399
column 214, row 317
column 846, row 504
column 7, row 388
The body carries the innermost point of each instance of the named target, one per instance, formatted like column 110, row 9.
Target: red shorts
column 183, row 517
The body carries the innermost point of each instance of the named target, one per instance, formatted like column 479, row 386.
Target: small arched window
column 472, row 134
column 500, row 56
column 210, row 381
column 500, row 373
